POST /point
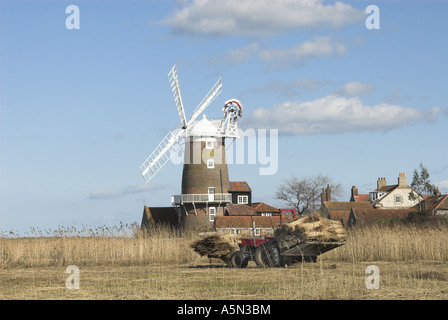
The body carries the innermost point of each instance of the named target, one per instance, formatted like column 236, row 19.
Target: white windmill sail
column 174, row 82
column 169, row 145
column 211, row 95
column 173, row 142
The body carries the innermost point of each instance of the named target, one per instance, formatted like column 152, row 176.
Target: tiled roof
column 432, row 202
column 442, row 202
column 239, row 186
column 340, row 211
column 361, row 197
column 240, row 210
column 263, row 207
column 387, row 188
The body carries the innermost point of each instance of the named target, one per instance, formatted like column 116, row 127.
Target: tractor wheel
column 267, row 255
column 239, row 259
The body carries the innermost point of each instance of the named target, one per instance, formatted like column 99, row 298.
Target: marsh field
column 411, row 262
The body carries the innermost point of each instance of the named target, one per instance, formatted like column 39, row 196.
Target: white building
column 393, row 196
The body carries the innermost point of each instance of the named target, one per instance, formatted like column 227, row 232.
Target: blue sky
column 81, row 109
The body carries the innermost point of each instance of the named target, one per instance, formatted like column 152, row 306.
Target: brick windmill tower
column 205, row 177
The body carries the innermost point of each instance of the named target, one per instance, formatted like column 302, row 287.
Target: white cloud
column 355, row 88
column 259, row 17
column 285, row 57
column 321, row 46
column 332, row 114
column 111, row 193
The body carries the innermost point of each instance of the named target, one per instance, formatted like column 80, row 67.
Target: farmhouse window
column 398, row 199
column 243, row 199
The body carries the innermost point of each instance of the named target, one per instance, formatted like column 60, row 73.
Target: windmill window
column 210, row 163
column 209, row 144
column 212, row 213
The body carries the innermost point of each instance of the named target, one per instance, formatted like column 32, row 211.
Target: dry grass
column 104, row 247
column 412, row 262
column 394, row 243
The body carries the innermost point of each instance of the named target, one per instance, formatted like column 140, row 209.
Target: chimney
column 381, row 183
column 354, row 192
column 328, row 193
column 402, row 180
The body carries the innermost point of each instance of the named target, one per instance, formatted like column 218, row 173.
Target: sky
column 85, row 98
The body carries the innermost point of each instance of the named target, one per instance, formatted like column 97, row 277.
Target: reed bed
column 126, row 246
column 402, row 242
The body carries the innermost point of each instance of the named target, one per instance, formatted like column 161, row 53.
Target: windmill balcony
column 201, row 198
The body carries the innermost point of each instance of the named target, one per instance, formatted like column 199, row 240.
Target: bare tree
column 304, row 194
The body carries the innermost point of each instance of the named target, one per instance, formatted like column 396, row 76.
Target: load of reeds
column 216, row 246
column 310, row 228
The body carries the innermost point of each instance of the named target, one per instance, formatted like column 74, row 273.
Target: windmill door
column 211, row 194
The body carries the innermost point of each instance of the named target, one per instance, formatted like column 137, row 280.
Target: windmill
column 205, row 177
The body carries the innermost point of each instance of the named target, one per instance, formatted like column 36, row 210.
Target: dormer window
column 243, row 199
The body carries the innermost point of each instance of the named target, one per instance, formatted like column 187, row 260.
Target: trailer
column 266, row 252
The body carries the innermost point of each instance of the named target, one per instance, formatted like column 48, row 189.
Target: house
column 436, row 205
column 346, row 212
column 263, row 209
column 361, row 213
column 256, row 209
column 385, row 203
column 257, row 219
column 441, row 206
column 394, row 196
column 241, row 192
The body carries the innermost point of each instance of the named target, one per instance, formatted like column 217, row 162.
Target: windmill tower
column 205, row 177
